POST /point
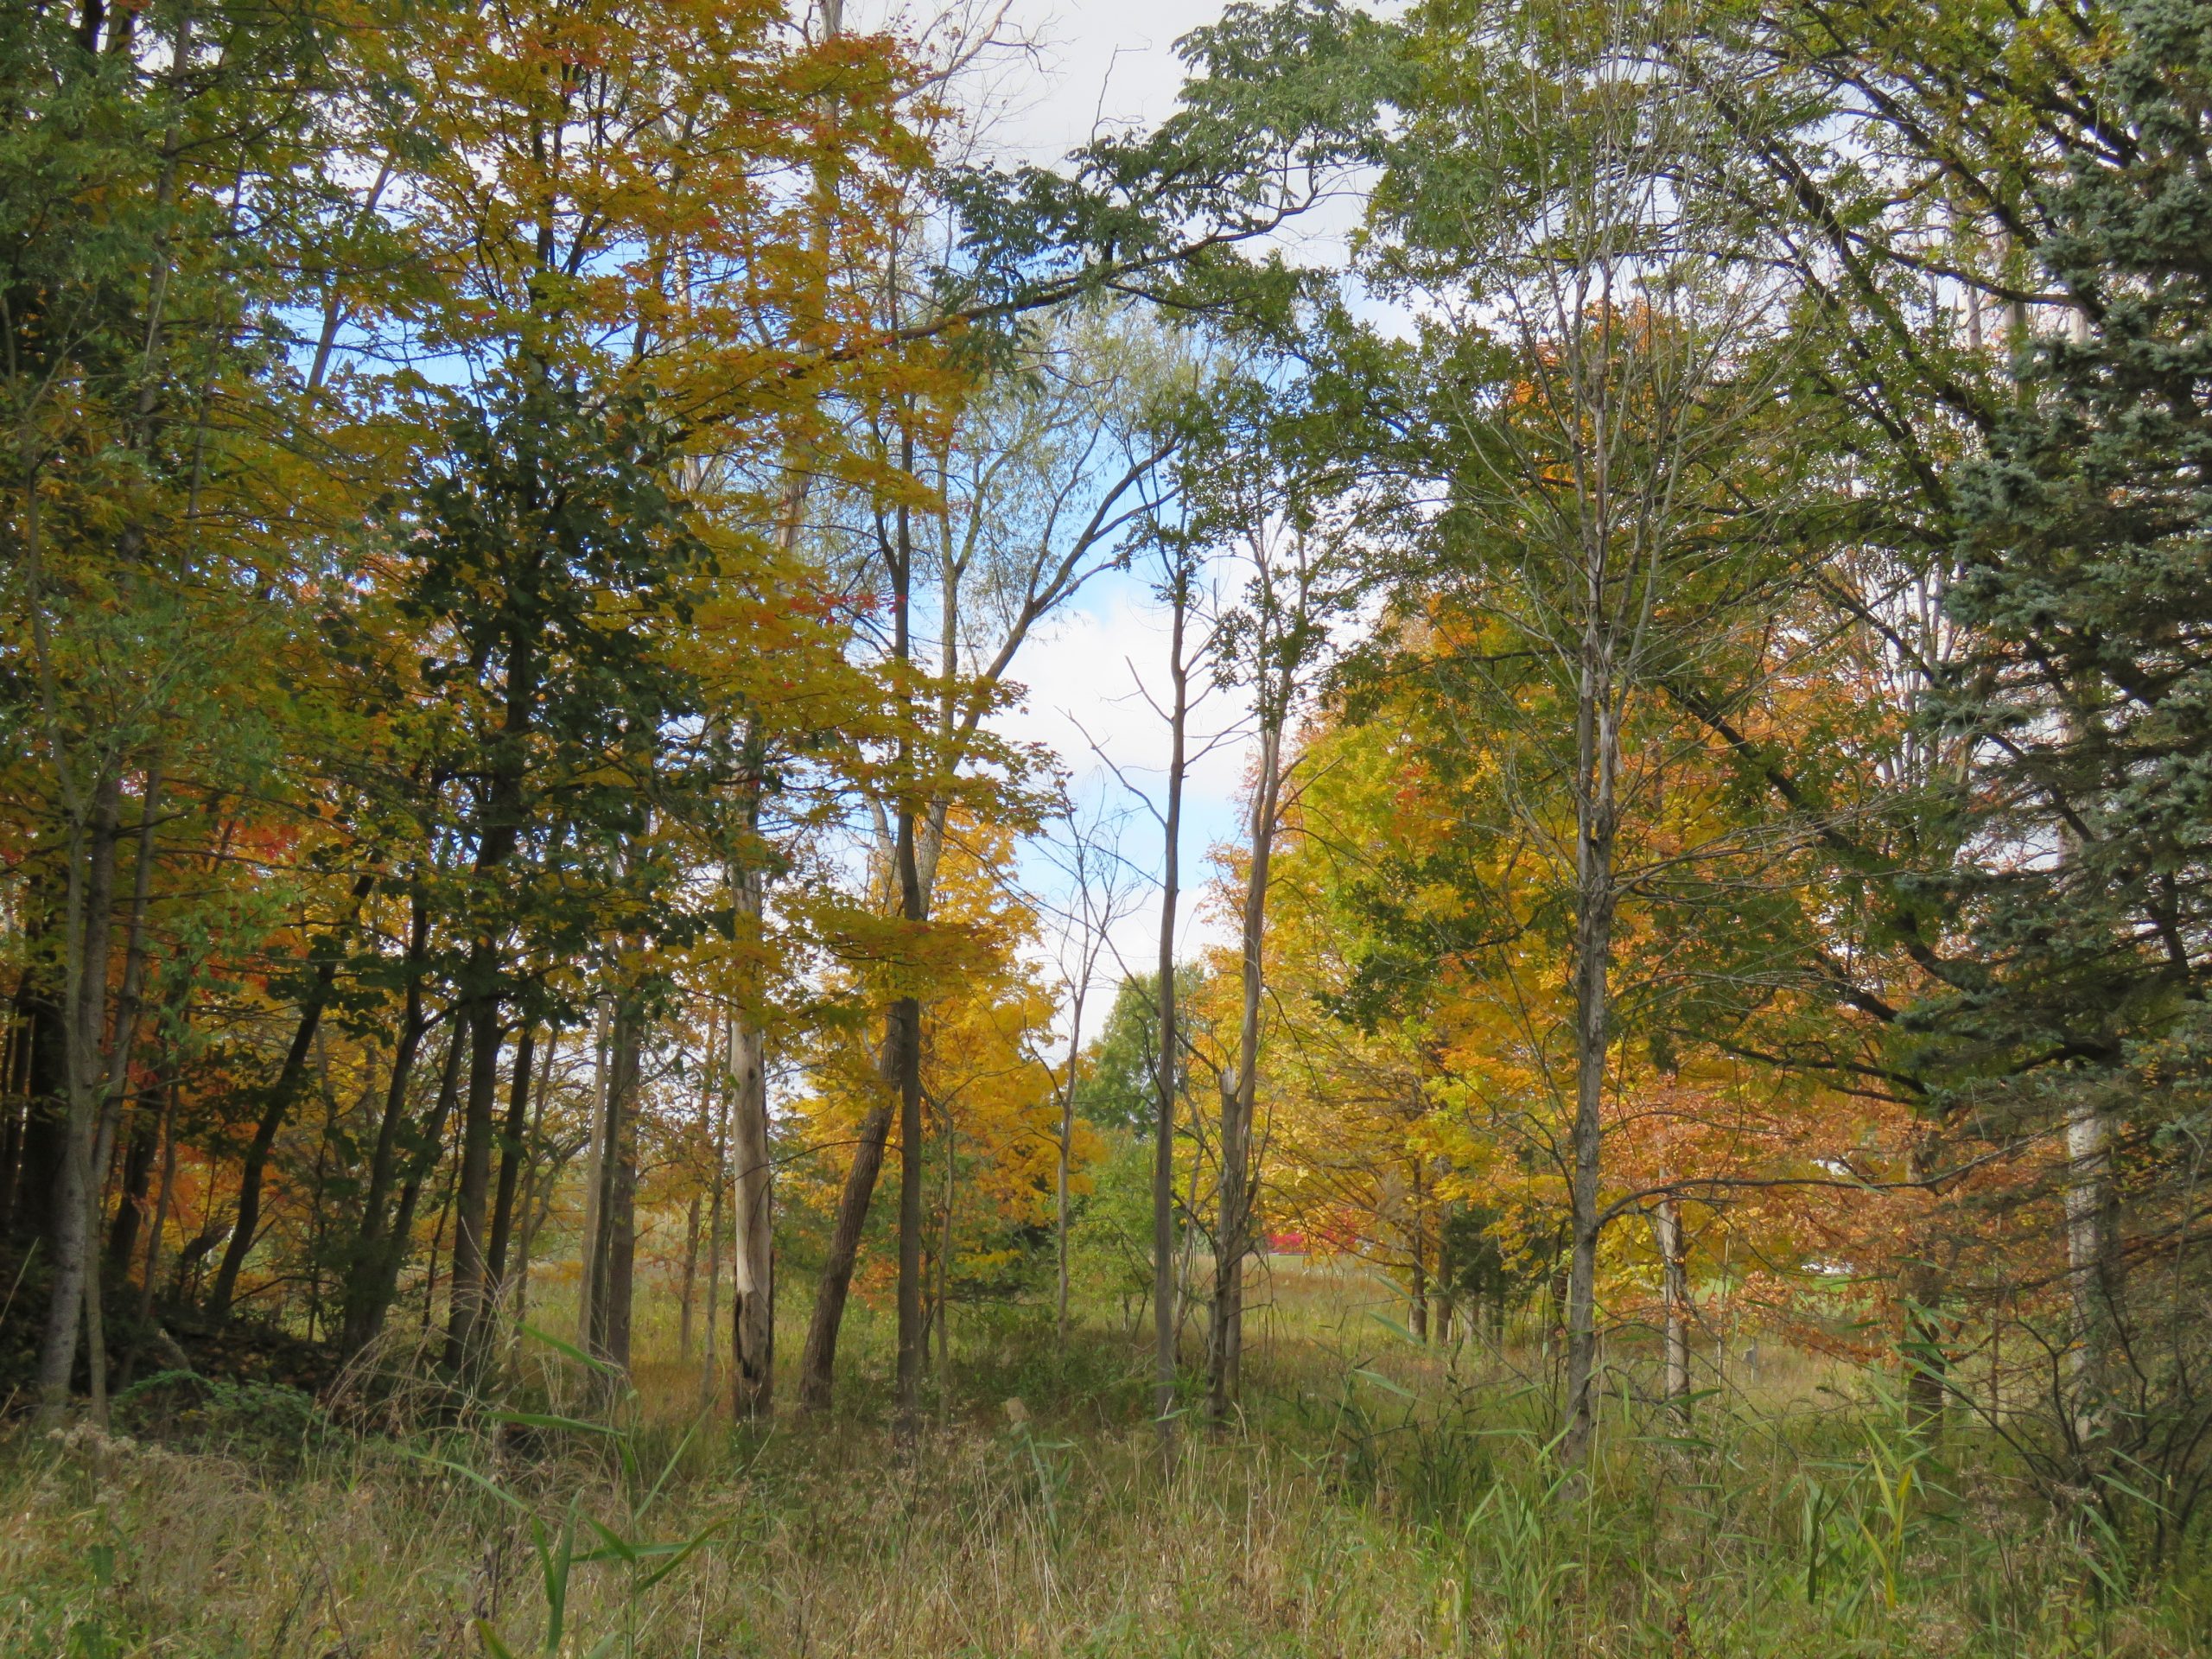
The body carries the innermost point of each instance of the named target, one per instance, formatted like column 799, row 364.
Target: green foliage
column 2086, row 696
column 2085, row 584
column 1110, row 1245
column 1122, row 1062
column 251, row 1420
column 1281, row 103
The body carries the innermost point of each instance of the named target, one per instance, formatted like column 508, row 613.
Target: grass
column 1378, row 1499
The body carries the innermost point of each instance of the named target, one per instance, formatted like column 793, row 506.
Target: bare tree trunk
column 944, row 1272
column 595, row 1174
column 819, row 1359
column 1418, row 1234
column 1921, row 1284
column 907, row 1012
column 163, row 1193
column 318, row 1219
column 709, row 1053
column 621, row 1233
column 15, row 1099
column 121, row 1046
column 88, row 916
column 437, row 1239
column 1675, row 1301
column 44, row 1145
column 688, row 1285
column 1449, row 1313
column 162, row 1197
column 139, row 1151
column 753, row 1287
column 901, row 1068
column 707, row 1381
column 1165, row 1311
column 2093, row 1265
column 113, row 1087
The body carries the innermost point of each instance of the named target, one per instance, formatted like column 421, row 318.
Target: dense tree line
column 522, row 527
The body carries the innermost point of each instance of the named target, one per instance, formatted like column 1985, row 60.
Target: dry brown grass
column 1379, row 1500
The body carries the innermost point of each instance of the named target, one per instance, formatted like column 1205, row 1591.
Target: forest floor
column 1378, row 1498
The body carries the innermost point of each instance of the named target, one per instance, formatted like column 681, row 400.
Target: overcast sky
column 1088, row 62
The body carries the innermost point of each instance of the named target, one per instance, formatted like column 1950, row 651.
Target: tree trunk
column 365, row 1292
column 381, row 1249
column 1448, row 1312
column 752, row 1291
column 437, row 1239
column 1233, row 1243
column 613, row 1251
column 1597, row 761
column 532, row 1209
column 1166, row 1312
column 122, row 1045
column 46, row 1113
column 1066, row 1148
column 1675, row 1301
column 1920, row 1292
column 587, row 1274
column 906, row 1017
column 907, row 1013
column 819, row 1359
column 514, row 1155
column 1419, row 1234
column 472, row 1185
column 717, row 1185
column 87, row 917
column 900, row 1069
column 708, row 1052
column 277, row 1105
column 621, row 1232
column 944, row 1272
column 14, row 1101
column 689, row 1284
column 149, row 1278
column 139, row 1155
column 162, row 1197
column 2093, row 1264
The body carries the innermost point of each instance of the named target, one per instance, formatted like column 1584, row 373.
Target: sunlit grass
column 1378, row 1498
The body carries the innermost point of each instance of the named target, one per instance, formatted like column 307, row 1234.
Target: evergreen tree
column 2087, row 583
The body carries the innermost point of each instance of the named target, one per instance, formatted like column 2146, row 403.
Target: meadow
column 1377, row 1498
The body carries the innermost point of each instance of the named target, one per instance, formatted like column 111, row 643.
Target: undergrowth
column 1374, row 1499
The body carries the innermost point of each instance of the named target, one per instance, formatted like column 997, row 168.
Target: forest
column 1420, row 862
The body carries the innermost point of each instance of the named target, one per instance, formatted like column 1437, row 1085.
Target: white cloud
column 1103, row 65
column 1095, row 690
